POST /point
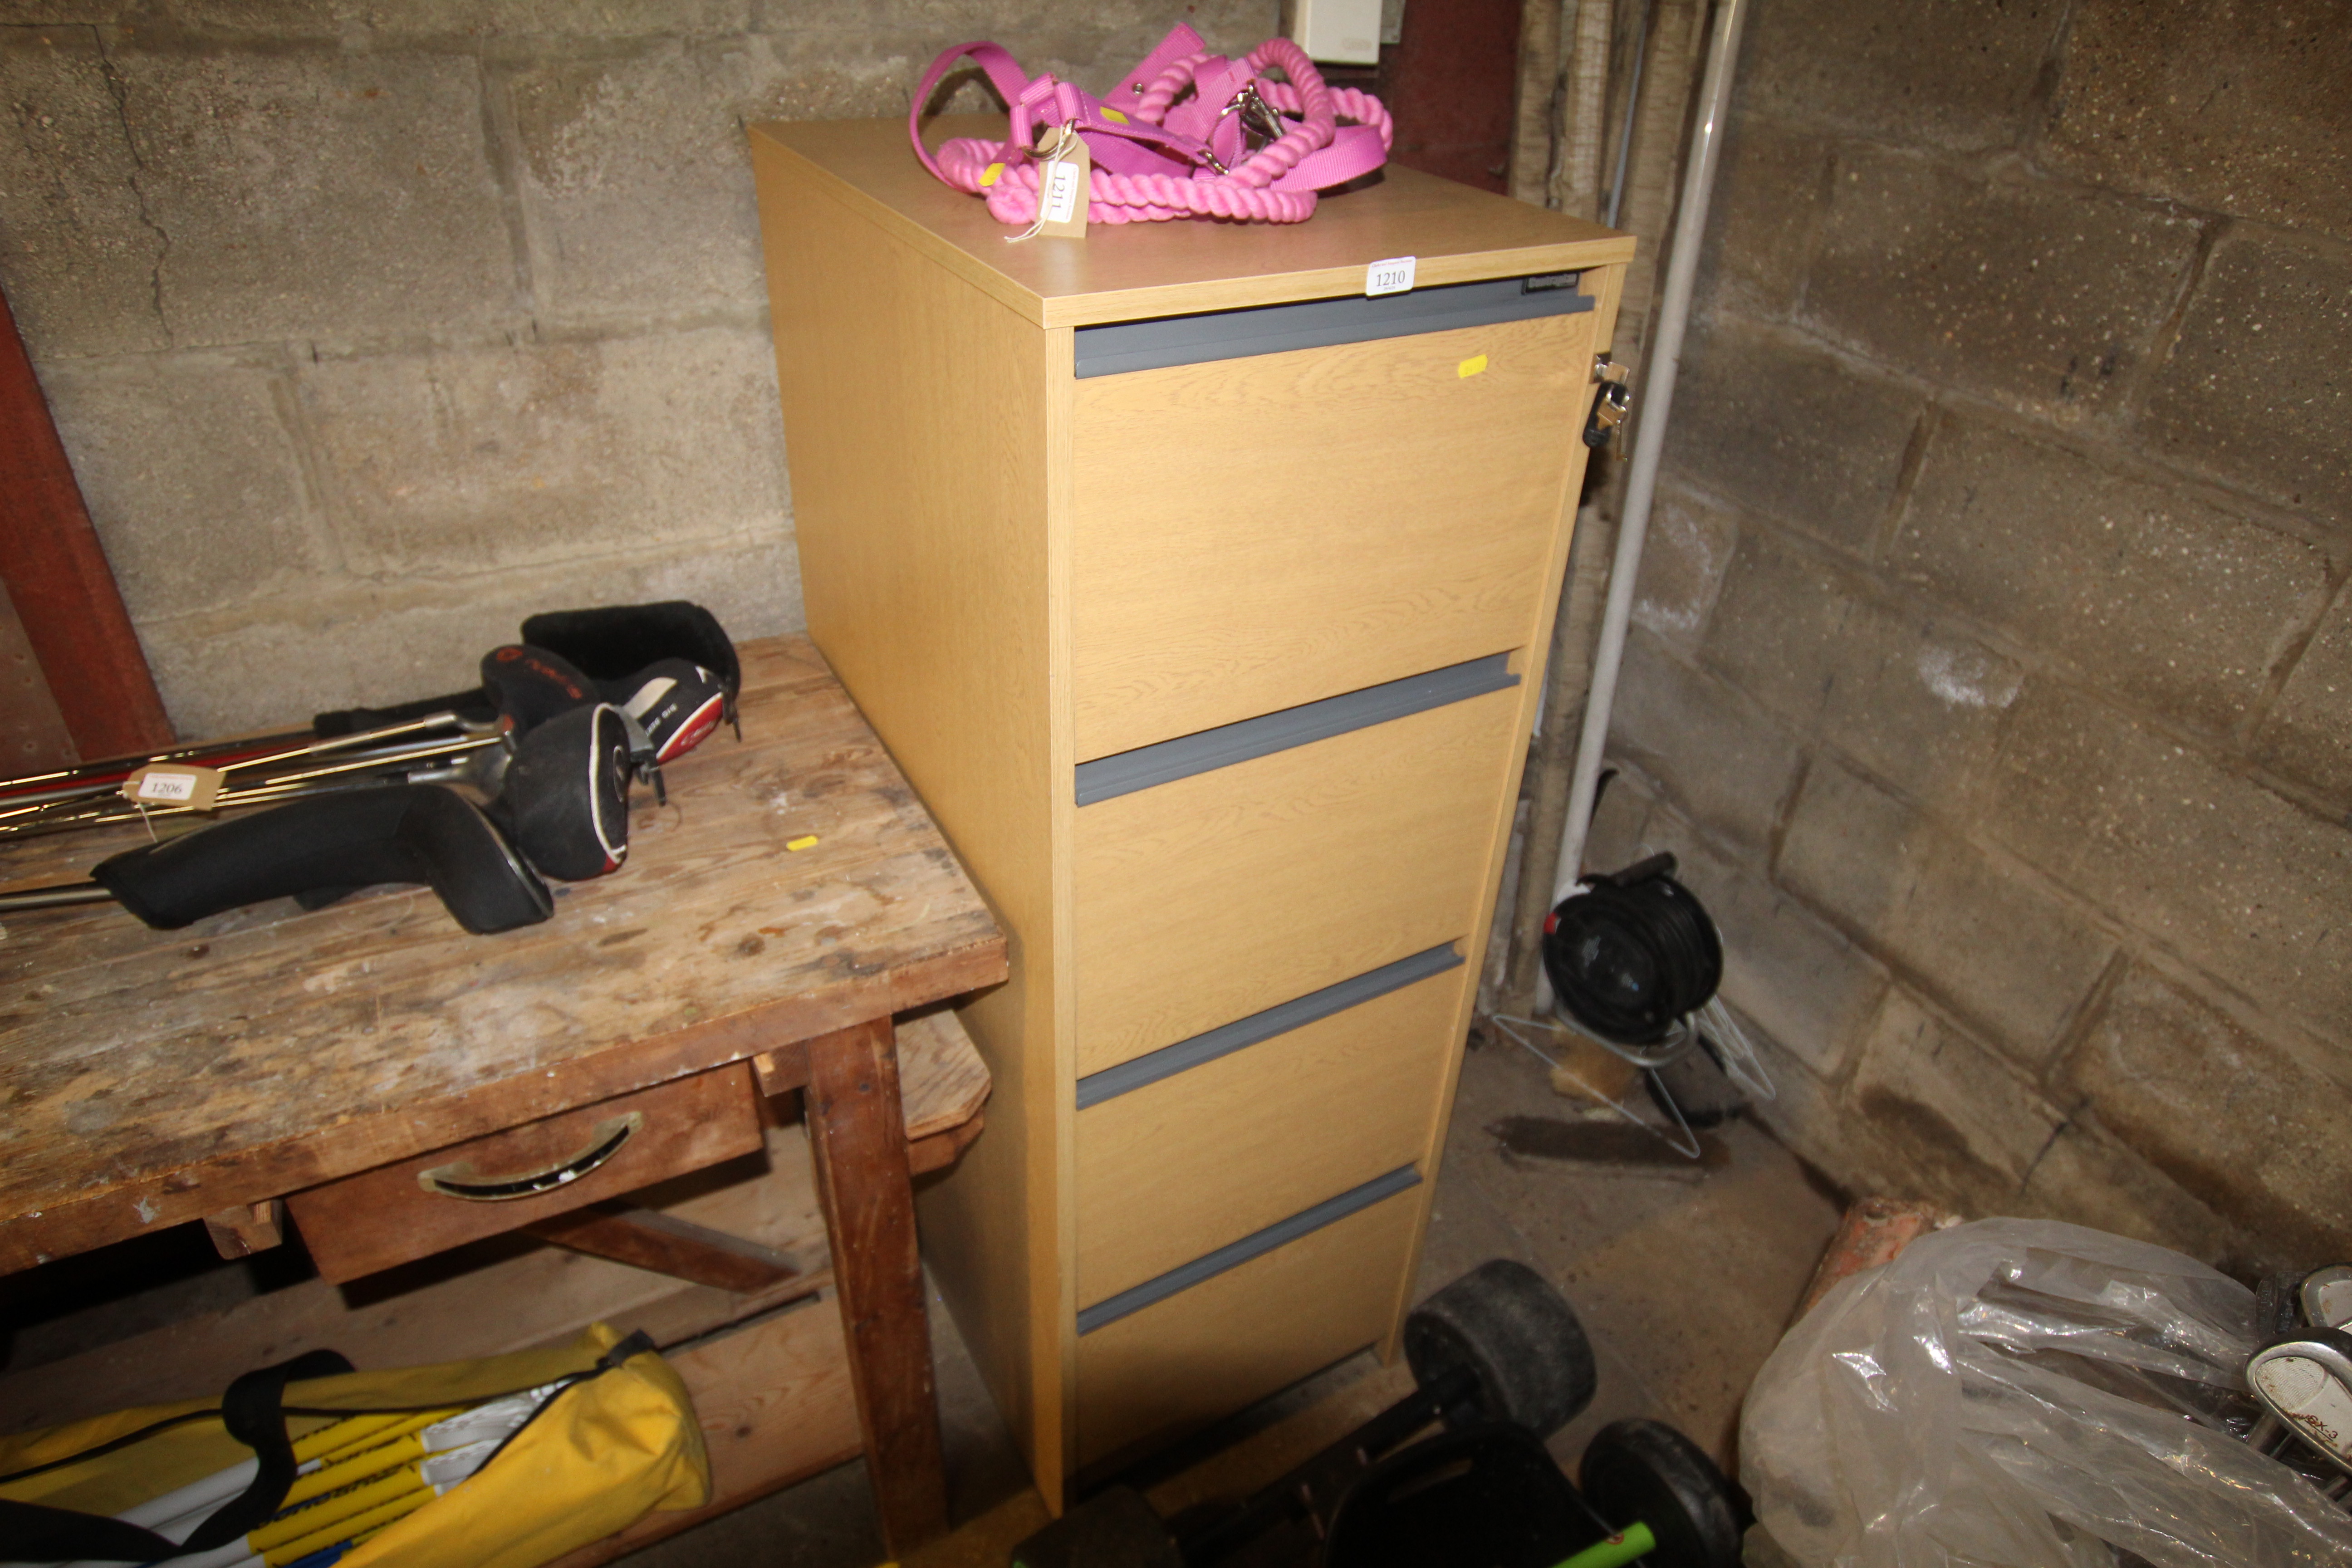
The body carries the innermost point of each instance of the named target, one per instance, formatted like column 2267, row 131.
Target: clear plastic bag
column 2027, row 1394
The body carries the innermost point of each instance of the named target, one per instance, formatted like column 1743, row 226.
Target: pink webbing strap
column 1005, row 74
column 1160, row 155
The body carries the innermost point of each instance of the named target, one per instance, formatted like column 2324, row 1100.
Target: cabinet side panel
column 915, row 420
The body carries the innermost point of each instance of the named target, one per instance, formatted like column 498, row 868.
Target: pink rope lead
column 1159, row 158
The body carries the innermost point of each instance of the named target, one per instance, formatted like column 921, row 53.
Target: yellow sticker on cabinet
column 1471, row 366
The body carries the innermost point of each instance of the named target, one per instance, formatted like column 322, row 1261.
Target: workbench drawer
column 1217, row 895
column 397, row 1213
column 1253, row 533
column 1177, row 1167
column 1206, row 1350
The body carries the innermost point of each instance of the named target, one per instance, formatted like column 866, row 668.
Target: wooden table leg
column 856, row 1129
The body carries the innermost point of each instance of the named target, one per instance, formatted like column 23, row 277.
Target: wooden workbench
column 153, row 1077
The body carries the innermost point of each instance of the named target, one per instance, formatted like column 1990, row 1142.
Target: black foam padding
column 392, row 832
column 475, row 707
column 566, row 798
column 619, row 640
column 530, row 685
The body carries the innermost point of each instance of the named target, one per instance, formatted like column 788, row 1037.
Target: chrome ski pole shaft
column 56, row 897
column 113, row 770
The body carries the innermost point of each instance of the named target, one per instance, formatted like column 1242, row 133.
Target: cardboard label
column 174, row 783
column 1062, row 187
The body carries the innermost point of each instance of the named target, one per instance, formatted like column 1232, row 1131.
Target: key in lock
column 1610, row 403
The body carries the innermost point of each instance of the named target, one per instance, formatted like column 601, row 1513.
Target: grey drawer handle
column 460, row 1179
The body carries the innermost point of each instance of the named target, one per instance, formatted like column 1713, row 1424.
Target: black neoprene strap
column 254, row 1411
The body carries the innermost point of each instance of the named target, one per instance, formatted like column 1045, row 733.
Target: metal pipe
column 1661, row 361
column 1632, row 106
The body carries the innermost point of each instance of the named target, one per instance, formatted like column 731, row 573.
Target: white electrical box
column 1342, row 32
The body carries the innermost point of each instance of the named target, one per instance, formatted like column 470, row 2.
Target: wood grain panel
column 942, row 1081
column 1179, row 1364
column 1183, row 1166
column 1251, row 534
column 1207, row 899
column 383, row 1217
column 918, row 423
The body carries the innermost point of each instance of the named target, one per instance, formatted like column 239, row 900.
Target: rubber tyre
column 1506, row 1324
column 1647, row 1470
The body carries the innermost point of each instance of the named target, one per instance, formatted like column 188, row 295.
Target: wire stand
column 1733, row 1051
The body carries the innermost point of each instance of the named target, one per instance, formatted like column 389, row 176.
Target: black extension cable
column 1633, row 952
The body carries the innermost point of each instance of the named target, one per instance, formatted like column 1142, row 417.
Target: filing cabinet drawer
column 487, row 1186
column 1236, row 1337
column 1254, row 533
column 1215, row 896
column 1179, row 1167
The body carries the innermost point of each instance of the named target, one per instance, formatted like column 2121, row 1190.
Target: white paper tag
column 1393, row 275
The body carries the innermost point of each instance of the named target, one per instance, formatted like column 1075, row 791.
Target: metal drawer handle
column 460, row 1179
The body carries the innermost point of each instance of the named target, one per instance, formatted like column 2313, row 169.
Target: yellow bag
column 617, row 1441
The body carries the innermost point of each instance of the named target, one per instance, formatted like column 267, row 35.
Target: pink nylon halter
column 1157, row 158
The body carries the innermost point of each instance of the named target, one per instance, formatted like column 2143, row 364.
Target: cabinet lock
column 1610, row 403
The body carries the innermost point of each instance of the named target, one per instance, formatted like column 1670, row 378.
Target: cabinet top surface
column 1457, row 234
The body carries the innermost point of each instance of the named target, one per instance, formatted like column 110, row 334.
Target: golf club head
column 676, row 703
column 566, row 800
column 530, row 686
column 612, row 647
column 2324, row 1296
column 2306, row 1380
column 327, row 846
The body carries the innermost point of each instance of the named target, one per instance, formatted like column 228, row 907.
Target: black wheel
column 1646, row 1470
column 1505, row 1324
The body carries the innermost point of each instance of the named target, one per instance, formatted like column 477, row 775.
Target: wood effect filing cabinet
column 1203, row 600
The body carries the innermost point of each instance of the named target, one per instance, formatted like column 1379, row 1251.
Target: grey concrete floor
column 1684, row 1275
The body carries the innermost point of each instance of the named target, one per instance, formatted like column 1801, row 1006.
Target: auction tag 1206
column 181, row 784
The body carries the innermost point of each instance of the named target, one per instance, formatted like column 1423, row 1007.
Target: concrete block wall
column 371, row 326
column 1992, row 666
